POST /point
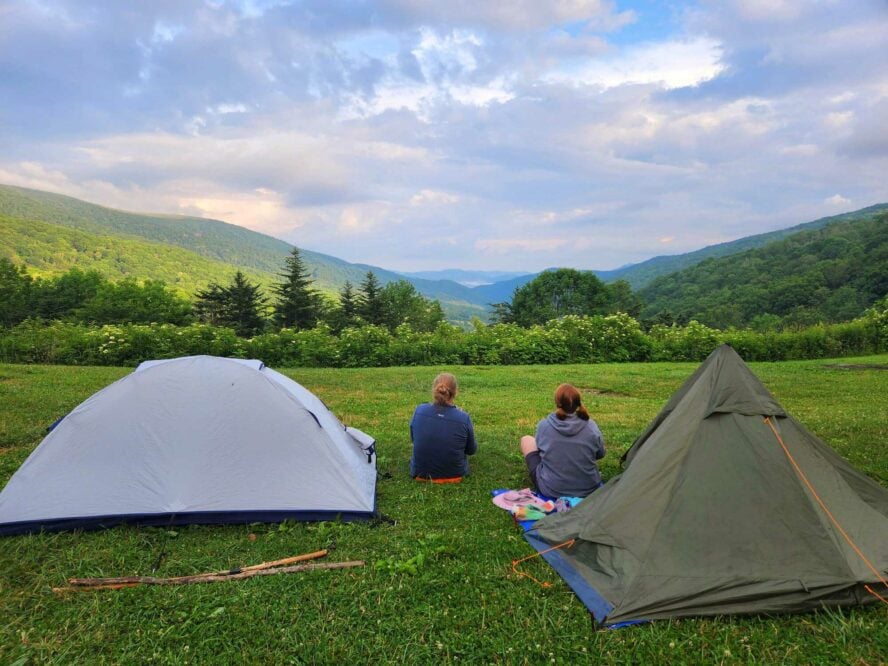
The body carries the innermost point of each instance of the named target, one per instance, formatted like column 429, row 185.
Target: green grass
column 463, row 604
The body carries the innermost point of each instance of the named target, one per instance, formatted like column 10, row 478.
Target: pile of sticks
column 286, row 565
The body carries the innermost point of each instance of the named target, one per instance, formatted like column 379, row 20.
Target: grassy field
column 463, row 604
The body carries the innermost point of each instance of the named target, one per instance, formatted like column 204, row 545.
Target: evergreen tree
column 371, row 306
column 240, row 306
column 346, row 313
column 245, row 306
column 298, row 305
column 209, row 305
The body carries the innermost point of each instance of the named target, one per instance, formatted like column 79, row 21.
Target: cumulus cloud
column 837, row 200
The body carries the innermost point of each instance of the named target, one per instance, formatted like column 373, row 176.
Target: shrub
column 569, row 339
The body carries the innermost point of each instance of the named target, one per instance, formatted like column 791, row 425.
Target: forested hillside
column 48, row 249
column 642, row 274
column 828, row 274
column 256, row 254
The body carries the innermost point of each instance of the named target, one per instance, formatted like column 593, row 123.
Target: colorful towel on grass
column 527, row 507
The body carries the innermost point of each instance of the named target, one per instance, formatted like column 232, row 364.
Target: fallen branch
column 201, row 578
column 124, row 580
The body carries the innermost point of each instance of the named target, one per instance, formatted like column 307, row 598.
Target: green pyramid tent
column 726, row 505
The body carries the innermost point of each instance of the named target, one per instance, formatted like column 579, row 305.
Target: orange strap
column 453, row 479
column 832, row 518
column 515, row 563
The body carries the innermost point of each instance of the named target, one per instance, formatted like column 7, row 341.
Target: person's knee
column 528, row 444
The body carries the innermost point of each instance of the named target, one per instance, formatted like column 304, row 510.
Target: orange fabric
column 453, row 479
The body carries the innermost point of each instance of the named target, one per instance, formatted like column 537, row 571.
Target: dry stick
column 208, row 578
column 123, row 580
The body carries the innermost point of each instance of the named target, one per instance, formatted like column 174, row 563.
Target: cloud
column 674, row 64
column 433, row 197
column 837, row 200
column 412, row 134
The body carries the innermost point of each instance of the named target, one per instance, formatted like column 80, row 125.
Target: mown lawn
column 463, row 605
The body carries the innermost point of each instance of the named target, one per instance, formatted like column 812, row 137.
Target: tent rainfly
column 726, row 505
column 193, row 440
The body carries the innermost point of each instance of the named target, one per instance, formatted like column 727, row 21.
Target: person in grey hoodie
column 561, row 458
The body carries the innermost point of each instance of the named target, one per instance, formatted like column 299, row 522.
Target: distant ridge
column 641, row 274
column 465, row 277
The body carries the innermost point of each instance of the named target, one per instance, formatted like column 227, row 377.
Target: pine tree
column 370, row 305
column 209, row 305
column 245, row 306
column 240, row 306
column 298, row 305
column 346, row 314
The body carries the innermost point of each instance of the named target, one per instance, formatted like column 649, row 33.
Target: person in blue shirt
column 442, row 435
column 561, row 459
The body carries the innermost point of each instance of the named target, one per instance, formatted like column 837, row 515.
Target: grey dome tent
column 726, row 505
column 193, row 440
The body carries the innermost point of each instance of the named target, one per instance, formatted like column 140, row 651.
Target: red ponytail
column 568, row 401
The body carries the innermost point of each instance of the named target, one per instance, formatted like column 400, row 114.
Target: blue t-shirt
column 442, row 437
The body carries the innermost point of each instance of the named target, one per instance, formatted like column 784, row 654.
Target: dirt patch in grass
column 856, row 366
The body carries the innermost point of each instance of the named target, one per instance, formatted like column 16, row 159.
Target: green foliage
column 62, row 296
column 429, row 548
column 830, row 274
column 564, row 292
column 240, row 306
column 87, row 297
column 370, row 306
column 15, row 293
column 49, row 250
column 402, row 304
column 128, row 302
column 693, row 342
column 571, row 339
column 345, row 313
column 298, row 305
column 553, row 294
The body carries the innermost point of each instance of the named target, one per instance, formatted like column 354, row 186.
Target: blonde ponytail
column 444, row 389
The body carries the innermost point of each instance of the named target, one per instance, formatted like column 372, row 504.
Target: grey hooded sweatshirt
column 568, row 451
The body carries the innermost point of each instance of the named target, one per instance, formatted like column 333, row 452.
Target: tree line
column 827, row 275
column 88, row 297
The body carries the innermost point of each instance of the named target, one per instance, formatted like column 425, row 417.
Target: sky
column 482, row 135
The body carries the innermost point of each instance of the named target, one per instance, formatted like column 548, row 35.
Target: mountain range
column 51, row 233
